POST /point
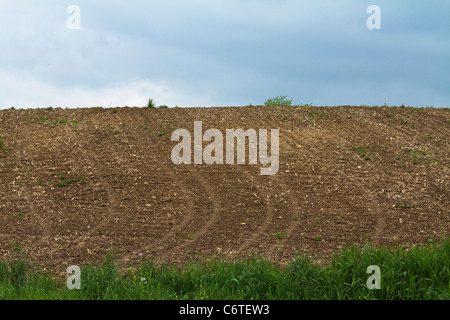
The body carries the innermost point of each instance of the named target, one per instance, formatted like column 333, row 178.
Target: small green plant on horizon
column 151, row 104
column 278, row 101
column 304, row 105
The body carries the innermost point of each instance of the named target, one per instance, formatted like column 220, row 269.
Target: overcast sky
column 223, row 53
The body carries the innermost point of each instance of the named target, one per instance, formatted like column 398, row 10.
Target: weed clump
column 278, row 101
column 151, row 104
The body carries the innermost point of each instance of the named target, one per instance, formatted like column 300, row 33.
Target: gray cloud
column 225, row 53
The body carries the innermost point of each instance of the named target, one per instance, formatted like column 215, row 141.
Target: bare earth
column 132, row 199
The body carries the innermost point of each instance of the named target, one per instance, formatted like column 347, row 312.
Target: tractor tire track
column 380, row 222
column 192, row 196
column 268, row 217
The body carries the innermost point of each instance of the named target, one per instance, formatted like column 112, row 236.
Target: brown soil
column 132, row 199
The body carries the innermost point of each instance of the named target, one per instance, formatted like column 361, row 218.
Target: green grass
column 418, row 273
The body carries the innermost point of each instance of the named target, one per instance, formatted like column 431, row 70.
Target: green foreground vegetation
column 418, row 273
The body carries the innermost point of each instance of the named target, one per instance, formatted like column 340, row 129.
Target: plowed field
column 75, row 183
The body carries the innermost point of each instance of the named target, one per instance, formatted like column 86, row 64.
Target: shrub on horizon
column 278, row 101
